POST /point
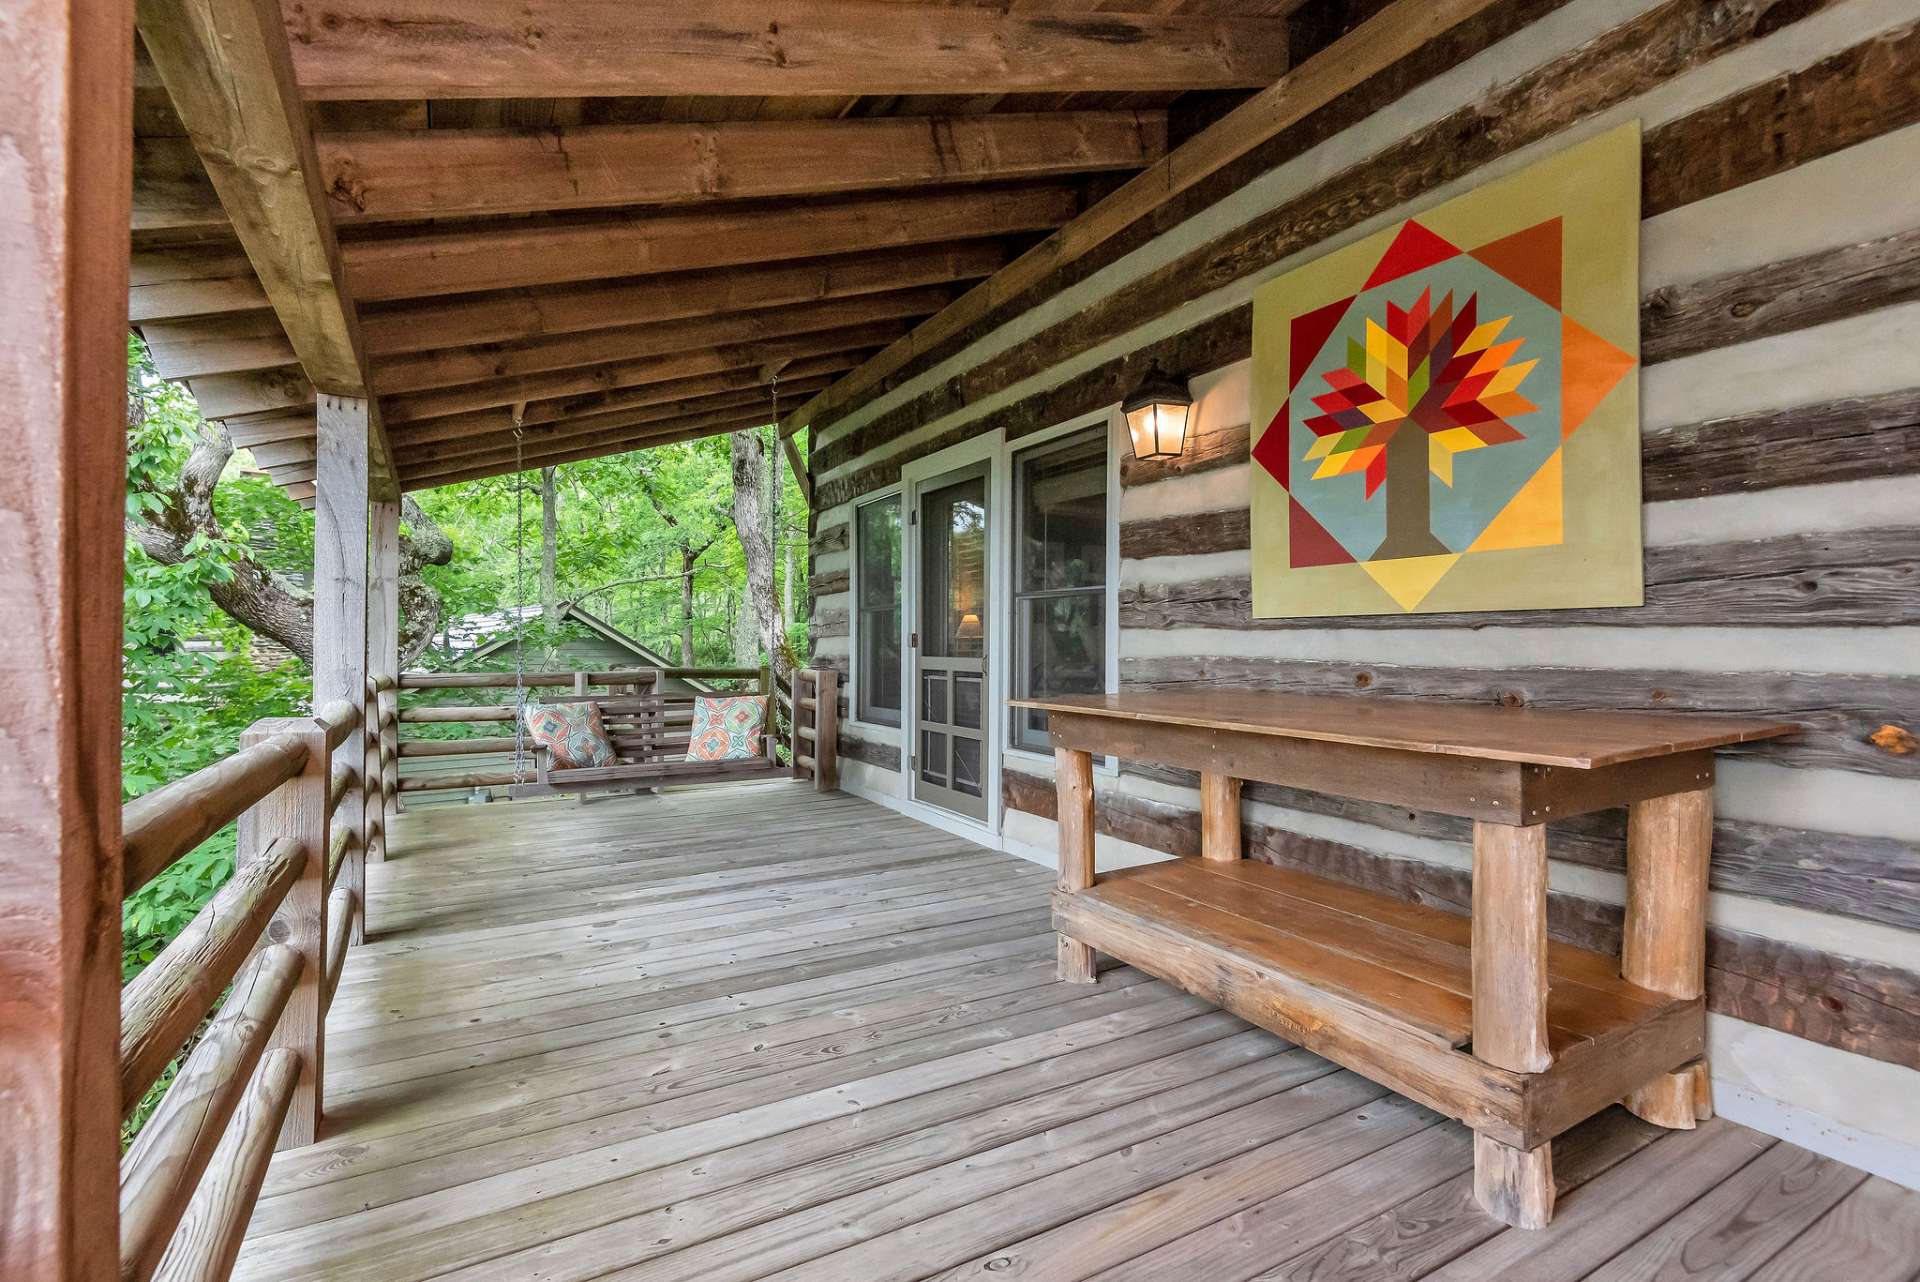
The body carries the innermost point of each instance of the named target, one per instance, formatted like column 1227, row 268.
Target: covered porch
column 754, row 1031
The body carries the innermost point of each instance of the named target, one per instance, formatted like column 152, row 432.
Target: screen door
column 950, row 643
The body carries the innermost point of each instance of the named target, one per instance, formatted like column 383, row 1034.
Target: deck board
column 750, row 1032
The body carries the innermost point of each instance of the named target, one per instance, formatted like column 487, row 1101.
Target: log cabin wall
column 1781, row 421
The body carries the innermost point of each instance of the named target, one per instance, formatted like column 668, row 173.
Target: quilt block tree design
column 1424, row 392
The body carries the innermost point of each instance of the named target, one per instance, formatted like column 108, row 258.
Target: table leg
column 1073, row 781
column 1514, row 1185
column 1664, row 944
column 1219, row 817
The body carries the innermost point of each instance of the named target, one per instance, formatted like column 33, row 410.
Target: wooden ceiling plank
column 520, row 253
column 174, row 284
column 278, row 454
column 481, row 422
column 388, row 49
column 1376, row 44
column 250, row 430
column 527, row 314
column 227, row 67
column 413, row 458
column 616, row 443
column 425, row 370
column 226, row 396
column 440, row 173
column 217, row 345
column 655, row 369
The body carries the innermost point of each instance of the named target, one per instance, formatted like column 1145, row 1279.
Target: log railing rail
column 277, row 933
column 669, row 734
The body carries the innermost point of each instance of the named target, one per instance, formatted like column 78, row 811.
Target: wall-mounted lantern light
column 1157, row 413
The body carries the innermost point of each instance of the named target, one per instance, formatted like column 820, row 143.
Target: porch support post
column 66, row 91
column 383, row 662
column 340, row 612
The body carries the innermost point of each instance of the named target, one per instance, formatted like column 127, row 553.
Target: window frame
column 859, row 714
column 1007, row 630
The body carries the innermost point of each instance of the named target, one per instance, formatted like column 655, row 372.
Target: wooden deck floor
column 753, row 1032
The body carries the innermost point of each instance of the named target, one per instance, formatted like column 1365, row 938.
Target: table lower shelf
column 1381, row 986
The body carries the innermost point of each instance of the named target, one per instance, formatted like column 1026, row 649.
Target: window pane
column 1060, row 564
column 1063, row 516
column 877, row 618
column 954, row 521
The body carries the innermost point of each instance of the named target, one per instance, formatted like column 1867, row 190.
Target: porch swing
column 652, row 738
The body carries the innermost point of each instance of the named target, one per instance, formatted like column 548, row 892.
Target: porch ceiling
column 619, row 218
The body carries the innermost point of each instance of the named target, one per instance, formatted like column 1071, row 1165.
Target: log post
column 1219, row 817
column 297, row 811
column 1073, row 781
column 383, row 661
column 1664, row 944
column 826, row 730
column 66, row 170
column 340, row 537
column 1515, row 1186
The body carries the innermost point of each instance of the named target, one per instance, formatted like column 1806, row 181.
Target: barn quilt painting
column 1451, row 406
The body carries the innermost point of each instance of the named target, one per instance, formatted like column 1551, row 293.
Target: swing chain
column 519, row 602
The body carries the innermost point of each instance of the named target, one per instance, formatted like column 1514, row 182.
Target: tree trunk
column 549, row 547
column 688, row 558
column 256, row 597
column 756, row 544
column 1409, row 498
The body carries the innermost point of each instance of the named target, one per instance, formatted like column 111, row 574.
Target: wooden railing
column 813, row 713
column 663, row 740
column 277, row 933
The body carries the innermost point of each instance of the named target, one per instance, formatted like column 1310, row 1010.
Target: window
column 1059, row 576
column 876, row 625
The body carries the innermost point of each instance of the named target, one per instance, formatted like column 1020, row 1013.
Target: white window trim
column 1003, row 627
column 879, row 731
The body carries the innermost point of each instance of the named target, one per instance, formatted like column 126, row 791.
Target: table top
column 1579, row 740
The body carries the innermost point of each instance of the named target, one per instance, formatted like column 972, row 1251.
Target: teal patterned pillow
column 727, row 728
column 572, row 732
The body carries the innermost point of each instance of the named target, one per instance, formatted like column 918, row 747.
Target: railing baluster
column 298, row 810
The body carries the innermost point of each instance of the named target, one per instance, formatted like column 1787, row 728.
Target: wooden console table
column 1481, row 1019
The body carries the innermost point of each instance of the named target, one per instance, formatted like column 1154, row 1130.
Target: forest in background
column 697, row 550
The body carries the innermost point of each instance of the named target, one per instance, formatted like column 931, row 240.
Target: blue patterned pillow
column 726, row 728
column 572, row 732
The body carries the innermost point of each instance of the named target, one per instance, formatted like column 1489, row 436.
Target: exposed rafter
column 226, row 65
column 611, row 48
column 438, row 173
column 525, row 252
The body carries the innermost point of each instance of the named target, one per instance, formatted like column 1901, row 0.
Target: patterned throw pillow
column 727, row 728
column 572, row 732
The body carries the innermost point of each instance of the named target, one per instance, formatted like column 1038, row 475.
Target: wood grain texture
column 1837, row 714
column 533, row 313
column 1583, row 740
column 177, row 1143
column 340, row 596
column 437, row 173
column 296, row 812
column 1510, row 946
column 1844, row 1002
column 162, row 1006
column 1073, row 774
column 511, row 255
column 215, row 1222
column 66, row 170
column 160, row 826
column 377, row 49
column 1219, row 817
column 228, row 71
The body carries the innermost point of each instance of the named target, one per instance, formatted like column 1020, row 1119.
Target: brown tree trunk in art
column 1409, row 498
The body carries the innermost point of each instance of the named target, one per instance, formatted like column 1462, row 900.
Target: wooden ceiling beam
column 482, row 422
column 400, row 49
column 425, row 370
column 440, row 173
column 517, row 315
column 227, row 67
column 523, row 252
column 616, row 443
column 1393, row 33
column 414, row 458
column 655, row 369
